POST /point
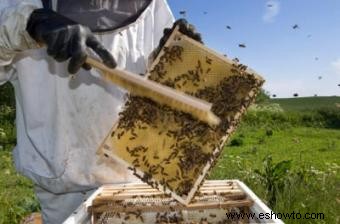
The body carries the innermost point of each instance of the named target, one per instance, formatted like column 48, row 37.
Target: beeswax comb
column 140, row 86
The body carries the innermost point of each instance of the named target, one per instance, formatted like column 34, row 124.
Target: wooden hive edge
column 109, row 202
column 167, row 208
column 234, row 194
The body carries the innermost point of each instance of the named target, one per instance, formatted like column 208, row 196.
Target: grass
column 307, row 103
column 16, row 192
column 313, row 182
column 302, row 144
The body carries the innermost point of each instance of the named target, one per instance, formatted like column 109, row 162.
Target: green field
column 312, row 184
column 290, row 159
column 307, row 103
column 16, row 192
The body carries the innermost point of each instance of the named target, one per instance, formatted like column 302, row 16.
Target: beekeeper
column 62, row 121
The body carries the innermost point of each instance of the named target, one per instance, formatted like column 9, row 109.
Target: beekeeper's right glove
column 66, row 39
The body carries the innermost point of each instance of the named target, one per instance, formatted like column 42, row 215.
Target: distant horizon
column 294, row 50
column 301, row 97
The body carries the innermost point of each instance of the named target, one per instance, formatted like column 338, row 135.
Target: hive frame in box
column 83, row 214
column 109, row 151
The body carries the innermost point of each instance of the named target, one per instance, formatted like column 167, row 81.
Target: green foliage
column 331, row 117
column 307, row 103
column 7, row 117
column 269, row 132
column 307, row 190
column 322, row 118
column 7, row 95
column 16, row 194
column 262, row 97
column 312, row 181
column 7, row 128
column 273, row 177
column 236, row 142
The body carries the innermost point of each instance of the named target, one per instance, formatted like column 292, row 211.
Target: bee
column 198, row 63
column 236, row 60
column 112, row 134
column 208, row 60
column 296, row 26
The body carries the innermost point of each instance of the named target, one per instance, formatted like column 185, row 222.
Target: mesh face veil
column 102, row 15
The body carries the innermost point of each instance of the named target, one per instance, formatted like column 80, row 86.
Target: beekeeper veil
column 100, row 15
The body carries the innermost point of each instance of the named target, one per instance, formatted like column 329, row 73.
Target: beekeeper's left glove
column 184, row 27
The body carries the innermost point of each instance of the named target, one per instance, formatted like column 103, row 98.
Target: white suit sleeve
column 13, row 36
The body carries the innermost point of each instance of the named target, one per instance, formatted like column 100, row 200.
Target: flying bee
column 296, row 26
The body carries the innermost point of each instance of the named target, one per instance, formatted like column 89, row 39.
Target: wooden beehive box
column 139, row 203
column 168, row 149
column 217, row 202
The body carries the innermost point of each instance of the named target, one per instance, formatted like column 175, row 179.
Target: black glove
column 185, row 28
column 66, row 39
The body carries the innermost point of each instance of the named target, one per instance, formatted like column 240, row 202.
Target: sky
column 305, row 60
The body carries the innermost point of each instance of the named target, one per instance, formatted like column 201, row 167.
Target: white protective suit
column 61, row 122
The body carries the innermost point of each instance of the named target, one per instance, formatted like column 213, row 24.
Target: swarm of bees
column 242, row 45
column 186, row 145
